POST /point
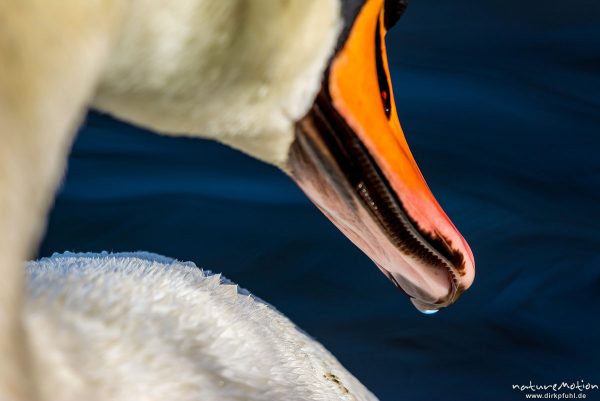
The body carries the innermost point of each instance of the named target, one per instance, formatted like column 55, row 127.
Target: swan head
column 351, row 159
column 303, row 85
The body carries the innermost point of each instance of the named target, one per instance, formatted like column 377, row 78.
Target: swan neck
column 239, row 72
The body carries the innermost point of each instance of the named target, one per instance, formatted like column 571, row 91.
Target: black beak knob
column 393, row 11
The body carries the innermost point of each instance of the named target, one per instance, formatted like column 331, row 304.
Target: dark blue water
column 500, row 101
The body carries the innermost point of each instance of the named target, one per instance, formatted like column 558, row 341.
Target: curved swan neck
column 240, row 72
column 207, row 68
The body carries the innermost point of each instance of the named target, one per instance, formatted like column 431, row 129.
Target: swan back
column 138, row 326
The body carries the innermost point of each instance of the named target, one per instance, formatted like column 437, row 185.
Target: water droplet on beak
column 423, row 307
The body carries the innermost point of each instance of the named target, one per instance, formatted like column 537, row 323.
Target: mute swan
column 301, row 84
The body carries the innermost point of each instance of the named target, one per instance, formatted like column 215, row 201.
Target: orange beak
column 351, row 158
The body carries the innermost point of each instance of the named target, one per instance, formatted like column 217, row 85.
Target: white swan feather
column 138, row 326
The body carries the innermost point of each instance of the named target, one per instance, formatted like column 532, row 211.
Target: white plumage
column 138, row 326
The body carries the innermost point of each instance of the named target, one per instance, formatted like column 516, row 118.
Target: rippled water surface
column 500, row 101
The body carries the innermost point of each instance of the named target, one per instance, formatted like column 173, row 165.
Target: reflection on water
column 499, row 101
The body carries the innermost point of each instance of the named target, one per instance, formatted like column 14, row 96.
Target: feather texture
column 144, row 327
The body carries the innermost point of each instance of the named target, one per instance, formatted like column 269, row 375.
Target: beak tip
column 469, row 268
